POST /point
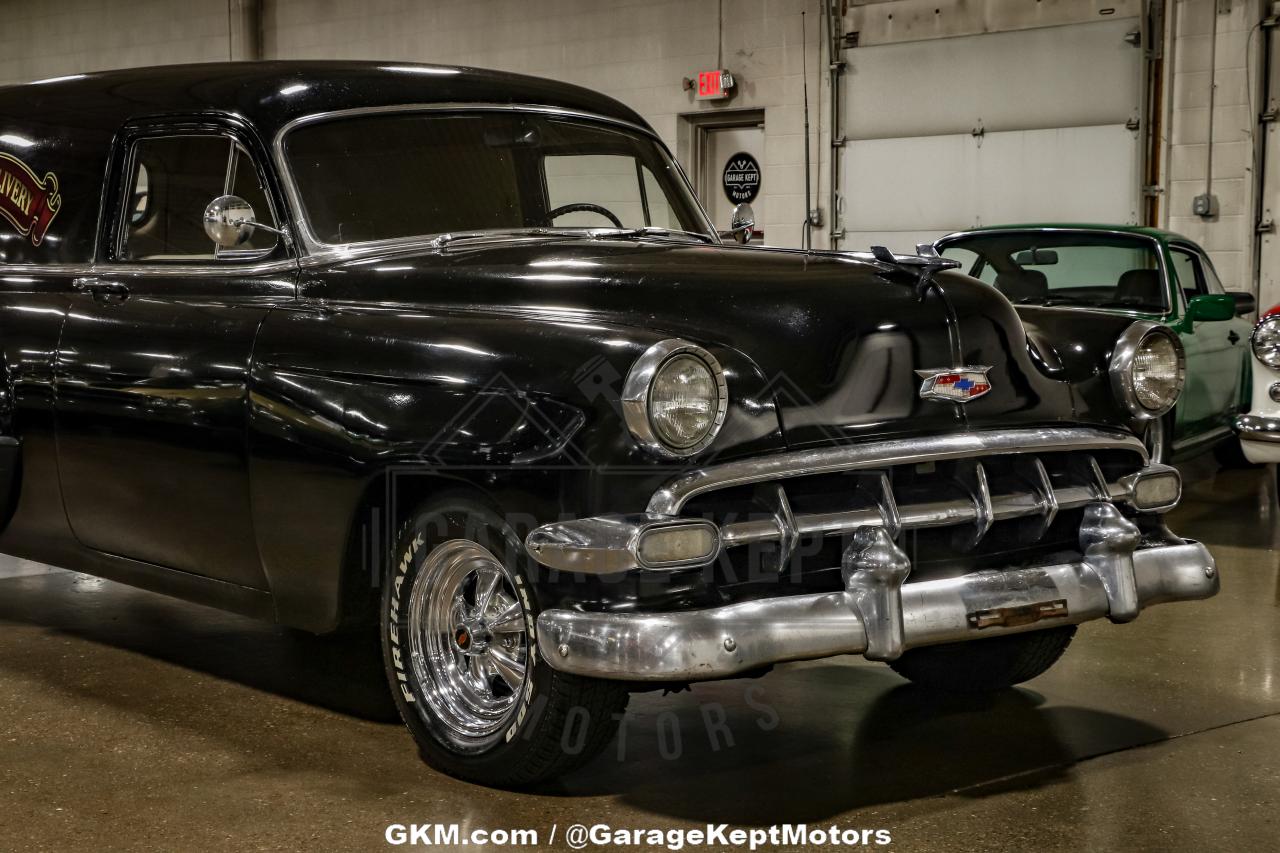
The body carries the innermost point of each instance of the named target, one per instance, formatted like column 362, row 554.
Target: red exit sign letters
column 714, row 84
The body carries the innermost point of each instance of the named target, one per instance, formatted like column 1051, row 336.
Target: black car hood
column 837, row 341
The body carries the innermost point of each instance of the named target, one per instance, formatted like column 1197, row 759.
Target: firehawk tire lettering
column 393, row 624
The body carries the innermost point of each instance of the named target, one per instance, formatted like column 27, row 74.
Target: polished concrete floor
column 129, row 721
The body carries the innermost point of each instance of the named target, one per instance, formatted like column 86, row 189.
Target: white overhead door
column 1032, row 125
column 1269, row 251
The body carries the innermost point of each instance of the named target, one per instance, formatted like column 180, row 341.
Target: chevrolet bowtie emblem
column 957, row 384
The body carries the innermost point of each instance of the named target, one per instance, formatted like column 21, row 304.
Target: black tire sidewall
column 432, row 524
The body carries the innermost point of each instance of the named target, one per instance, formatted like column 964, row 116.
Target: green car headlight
column 1148, row 369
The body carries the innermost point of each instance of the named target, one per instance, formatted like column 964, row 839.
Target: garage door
column 1033, row 125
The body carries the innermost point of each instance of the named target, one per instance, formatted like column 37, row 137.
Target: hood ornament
column 925, row 263
column 955, row 384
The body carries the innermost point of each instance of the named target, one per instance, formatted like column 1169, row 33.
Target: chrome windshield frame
column 315, row 249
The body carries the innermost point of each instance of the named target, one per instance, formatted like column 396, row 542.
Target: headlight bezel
column 1272, row 322
column 1122, row 363
column 636, row 395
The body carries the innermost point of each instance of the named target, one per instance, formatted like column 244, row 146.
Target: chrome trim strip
column 329, row 251
column 152, row 269
column 1258, row 428
column 724, row 641
column 671, row 498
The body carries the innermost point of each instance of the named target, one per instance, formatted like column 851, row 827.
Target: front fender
column 1078, row 345
column 525, row 409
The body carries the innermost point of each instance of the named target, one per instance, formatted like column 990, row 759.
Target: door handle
column 102, row 290
column 1233, row 336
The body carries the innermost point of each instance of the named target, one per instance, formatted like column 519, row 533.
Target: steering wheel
column 583, row 207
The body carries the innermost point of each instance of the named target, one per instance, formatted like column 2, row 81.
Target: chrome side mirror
column 742, row 223
column 228, row 220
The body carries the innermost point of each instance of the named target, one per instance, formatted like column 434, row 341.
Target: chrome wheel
column 468, row 646
column 1156, row 438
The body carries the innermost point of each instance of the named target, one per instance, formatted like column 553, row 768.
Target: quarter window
column 172, row 180
column 1186, row 267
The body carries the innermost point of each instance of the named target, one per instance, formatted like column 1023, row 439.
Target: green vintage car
column 1143, row 273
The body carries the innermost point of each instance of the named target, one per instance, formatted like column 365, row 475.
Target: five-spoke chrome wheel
column 468, row 645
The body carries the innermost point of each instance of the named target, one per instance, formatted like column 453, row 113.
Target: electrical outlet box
column 1205, row 205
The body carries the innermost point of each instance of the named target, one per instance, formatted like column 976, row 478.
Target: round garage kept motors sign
column 741, row 178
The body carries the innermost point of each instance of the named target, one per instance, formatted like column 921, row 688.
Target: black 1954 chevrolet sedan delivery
column 457, row 354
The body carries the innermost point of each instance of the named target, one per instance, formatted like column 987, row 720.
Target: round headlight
column 1266, row 342
column 675, row 398
column 1148, row 369
column 683, row 401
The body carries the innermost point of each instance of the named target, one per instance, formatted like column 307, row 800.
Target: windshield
column 1065, row 268
column 395, row 175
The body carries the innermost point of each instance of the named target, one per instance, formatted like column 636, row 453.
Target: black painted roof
column 64, row 126
column 270, row 94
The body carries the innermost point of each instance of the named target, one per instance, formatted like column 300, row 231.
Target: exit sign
column 713, row 85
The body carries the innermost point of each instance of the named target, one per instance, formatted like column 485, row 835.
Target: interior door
column 153, row 364
column 724, row 146
column 1215, row 354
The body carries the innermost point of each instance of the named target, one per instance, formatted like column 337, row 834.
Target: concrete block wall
column 638, row 51
column 1228, row 65
column 50, row 38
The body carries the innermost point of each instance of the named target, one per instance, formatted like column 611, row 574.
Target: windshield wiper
column 445, row 239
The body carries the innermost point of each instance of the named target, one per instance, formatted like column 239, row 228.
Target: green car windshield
column 1065, row 268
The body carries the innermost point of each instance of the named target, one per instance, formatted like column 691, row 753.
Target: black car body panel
column 245, row 438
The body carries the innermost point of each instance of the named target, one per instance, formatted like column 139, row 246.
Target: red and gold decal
column 30, row 203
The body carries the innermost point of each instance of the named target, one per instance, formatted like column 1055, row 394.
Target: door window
column 172, row 180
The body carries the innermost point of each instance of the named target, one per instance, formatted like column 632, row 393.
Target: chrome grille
column 969, row 481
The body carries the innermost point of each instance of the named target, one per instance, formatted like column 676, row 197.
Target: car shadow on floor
column 846, row 737
column 341, row 673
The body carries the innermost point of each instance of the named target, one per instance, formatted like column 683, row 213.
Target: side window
column 1186, row 268
column 173, row 179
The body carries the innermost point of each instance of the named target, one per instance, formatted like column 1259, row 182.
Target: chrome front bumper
column 1258, row 428
column 879, row 616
